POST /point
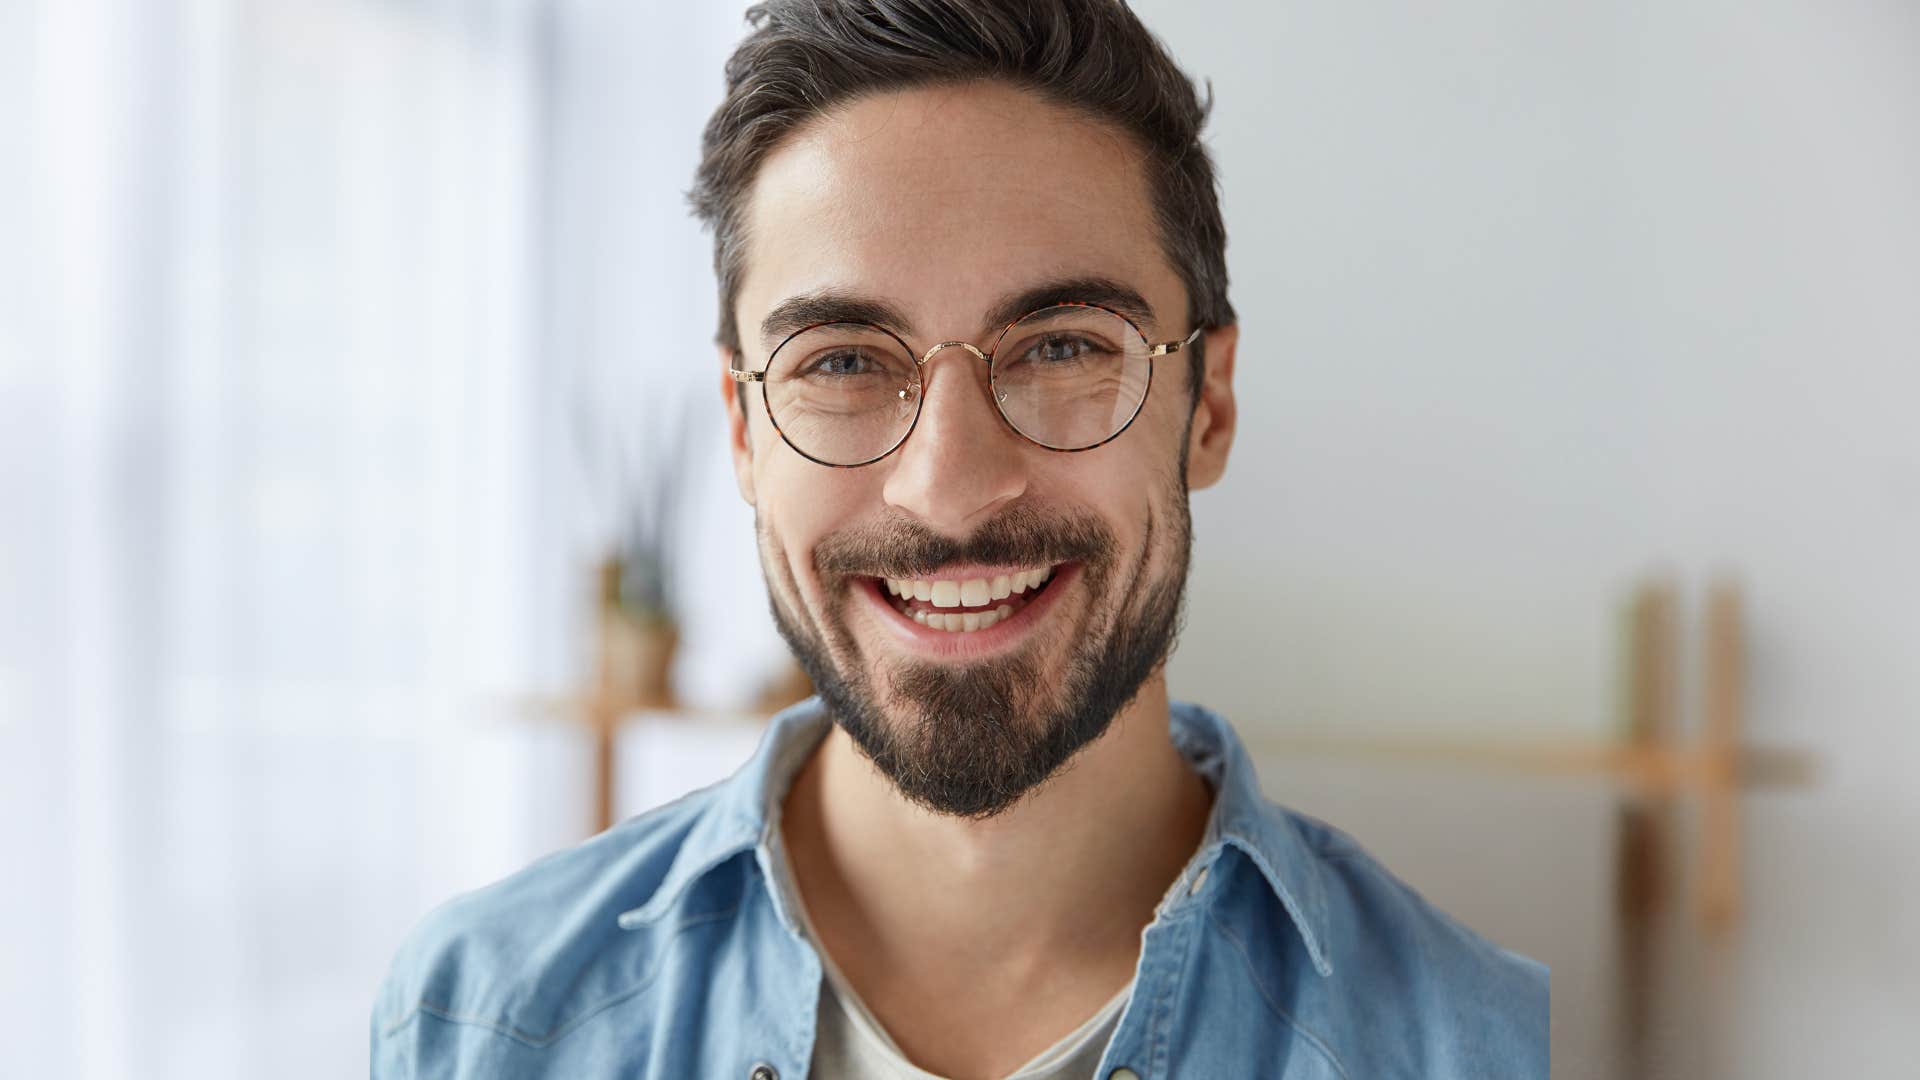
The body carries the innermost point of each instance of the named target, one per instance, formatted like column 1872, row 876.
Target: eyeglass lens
column 1067, row 377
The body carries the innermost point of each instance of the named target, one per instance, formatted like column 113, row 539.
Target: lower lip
column 968, row 644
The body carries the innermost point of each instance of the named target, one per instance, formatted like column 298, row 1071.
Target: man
column 976, row 349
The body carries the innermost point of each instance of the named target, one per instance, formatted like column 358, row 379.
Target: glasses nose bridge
column 978, row 354
column 927, row 357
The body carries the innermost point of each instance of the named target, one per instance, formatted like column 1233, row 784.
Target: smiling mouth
column 967, row 605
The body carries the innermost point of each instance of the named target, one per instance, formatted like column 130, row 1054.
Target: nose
column 962, row 461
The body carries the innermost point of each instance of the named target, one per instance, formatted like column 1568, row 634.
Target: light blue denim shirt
column 665, row 947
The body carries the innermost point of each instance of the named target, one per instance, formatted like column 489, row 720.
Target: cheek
column 1142, row 497
column 1122, row 485
column 800, row 503
column 1166, row 412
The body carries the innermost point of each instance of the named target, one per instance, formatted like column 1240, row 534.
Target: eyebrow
column 796, row 313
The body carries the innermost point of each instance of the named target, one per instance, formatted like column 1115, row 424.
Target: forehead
column 943, row 199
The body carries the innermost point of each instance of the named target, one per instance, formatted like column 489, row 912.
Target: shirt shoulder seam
column 558, row 1031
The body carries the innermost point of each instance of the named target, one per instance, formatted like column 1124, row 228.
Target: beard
column 972, row 739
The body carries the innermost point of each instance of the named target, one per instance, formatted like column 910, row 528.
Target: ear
column 1211, row 434
column 739, row 435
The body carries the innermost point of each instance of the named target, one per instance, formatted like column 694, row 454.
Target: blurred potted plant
column 636, row 631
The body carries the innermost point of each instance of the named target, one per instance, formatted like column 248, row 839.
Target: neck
column 1069, row 875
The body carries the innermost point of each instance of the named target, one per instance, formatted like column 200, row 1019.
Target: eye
column 840, row 364
column 1059, row 349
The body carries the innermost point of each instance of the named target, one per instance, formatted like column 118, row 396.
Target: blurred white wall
column 1536, row 298
column 285, row 534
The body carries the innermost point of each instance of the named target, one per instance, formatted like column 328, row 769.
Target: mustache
column 900, row 547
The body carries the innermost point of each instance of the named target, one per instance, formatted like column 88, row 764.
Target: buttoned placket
column 1142, row 1044
column 775, row 889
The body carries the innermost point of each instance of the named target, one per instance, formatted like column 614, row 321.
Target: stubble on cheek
column 824, row 640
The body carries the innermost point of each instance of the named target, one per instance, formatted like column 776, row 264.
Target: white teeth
column 973, row 593
column 961, row 622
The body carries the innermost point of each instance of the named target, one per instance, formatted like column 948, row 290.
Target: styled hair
column 805, row 57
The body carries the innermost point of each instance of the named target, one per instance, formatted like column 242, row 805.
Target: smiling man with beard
column 976, row 350
column 976, row 736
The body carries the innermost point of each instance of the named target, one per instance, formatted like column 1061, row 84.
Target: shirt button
column 1199, row 879
column 1123, row 1073
column 763, row 1071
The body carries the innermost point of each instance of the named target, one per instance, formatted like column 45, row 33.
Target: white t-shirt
column 850, row 1044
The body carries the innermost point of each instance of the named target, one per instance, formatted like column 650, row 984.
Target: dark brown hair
column 804, row 57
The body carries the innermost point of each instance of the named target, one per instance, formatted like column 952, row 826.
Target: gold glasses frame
column 1164, row 348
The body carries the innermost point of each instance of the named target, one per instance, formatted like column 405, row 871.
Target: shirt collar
column 744, row 816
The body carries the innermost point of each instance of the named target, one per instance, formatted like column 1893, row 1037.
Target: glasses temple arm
column 741, row 374
column 1166, row 347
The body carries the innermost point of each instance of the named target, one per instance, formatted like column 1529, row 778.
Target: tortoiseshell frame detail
column 1164, row 348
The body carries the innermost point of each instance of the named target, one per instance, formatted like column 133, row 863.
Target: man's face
column 942, row 203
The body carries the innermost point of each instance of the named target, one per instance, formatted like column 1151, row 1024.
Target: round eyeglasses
column 1068, row 377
